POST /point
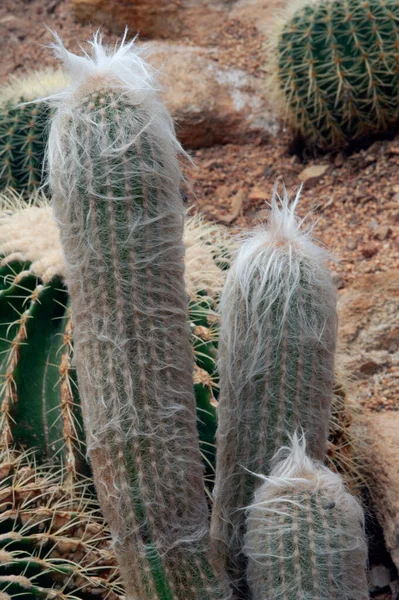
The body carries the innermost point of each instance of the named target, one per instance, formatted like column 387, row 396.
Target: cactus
column 40, row 404
column 115, row 183
column 305, row 534
column 22, row 145
column 277, row 343
column 24, row 129
column 53, row 543
column 334, row 69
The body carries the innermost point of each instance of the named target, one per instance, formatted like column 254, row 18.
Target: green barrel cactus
column 54, row 542
column 23, row 141
column 276, row 364
column 305, row 534
column 24, row 128
column 335, row 69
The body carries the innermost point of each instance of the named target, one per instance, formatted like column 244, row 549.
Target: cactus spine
column 335, row 69
column 115, row 182
column 54, row 542
column 305, row 534
column 277, row 343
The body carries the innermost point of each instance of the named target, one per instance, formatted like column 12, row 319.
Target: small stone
column 339, row 160
column 313, row 174
column 380, row 577
column 369, row 368
column 267, row 171
column 382, row 233
column 351, row 243
column 370, row 250
column 256, row 194
column 373, row 224
column 338, row 281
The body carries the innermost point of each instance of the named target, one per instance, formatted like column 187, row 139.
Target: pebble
column 382, row 232
column 369, row 250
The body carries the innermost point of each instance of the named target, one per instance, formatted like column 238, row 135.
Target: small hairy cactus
column 115, row 182
column 305, row 534
column 53, row 542
column 24, row 129
column 276, row 364
column 335, row 69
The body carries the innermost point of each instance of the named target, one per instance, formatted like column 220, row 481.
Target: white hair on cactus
column 284, row 235
column 122, row 65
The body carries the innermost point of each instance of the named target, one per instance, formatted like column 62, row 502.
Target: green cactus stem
column 305, row 534
column 115, row 182
column 335, row 69
column 24, row 128
column 276, row 364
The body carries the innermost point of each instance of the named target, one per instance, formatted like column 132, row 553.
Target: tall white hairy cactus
column 115, row 180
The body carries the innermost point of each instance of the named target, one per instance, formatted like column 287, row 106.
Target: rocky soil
column 211, row 57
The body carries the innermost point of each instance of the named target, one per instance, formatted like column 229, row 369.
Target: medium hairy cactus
column 53, row 543
column 115, row 182
column 305, row 534
column 334, row 69
column 276, row 360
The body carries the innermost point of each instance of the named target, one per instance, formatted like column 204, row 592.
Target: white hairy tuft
column 123, row 66
column 293, row 469
column 284, row 234
column 28, row 233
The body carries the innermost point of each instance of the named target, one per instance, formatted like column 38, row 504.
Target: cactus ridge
column 38, row 407
column 116, row 193
column 336, row 69
column 305, row 533
column 277, row 343
column 23, row 138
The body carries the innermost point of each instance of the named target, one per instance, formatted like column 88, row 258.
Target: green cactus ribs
column 38, row 387
column 336, row 66
column 23, row 138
